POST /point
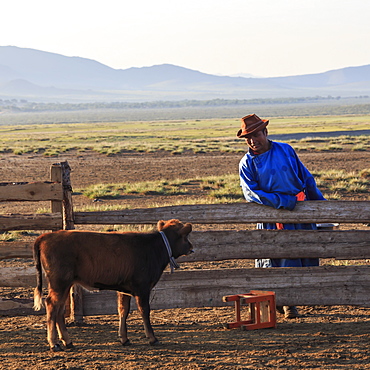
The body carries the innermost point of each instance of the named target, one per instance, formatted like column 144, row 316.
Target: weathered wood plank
column 218, row 245
column 34, row 191
column 45, row 221
column 324, row 285
column 18, row 307
column 24, row 276
column 15, row 249
column 11, row 304
column 293, row 286
column 56, row 176
column 68, row 223
column 305, row 212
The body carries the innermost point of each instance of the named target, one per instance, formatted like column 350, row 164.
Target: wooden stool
column 262, row 310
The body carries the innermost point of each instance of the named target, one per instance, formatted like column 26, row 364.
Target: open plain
column 322, row 338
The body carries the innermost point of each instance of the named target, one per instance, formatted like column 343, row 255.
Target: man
column 272, row 174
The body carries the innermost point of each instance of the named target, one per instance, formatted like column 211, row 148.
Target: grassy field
column 176, row 136
column 226, row 188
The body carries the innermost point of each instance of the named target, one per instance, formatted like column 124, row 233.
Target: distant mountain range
column 39, row 75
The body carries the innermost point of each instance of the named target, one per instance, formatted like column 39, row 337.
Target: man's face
column 258, row 141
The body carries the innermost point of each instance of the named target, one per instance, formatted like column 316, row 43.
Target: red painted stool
column 262, row 310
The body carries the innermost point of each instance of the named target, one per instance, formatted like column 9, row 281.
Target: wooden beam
column 305, row 212
column 56, row 176
column 293, row 286
column 324, row 285
column 14, row 277
column 68, row 223
column 18, row 307
column 45, row 221
column 15, row 249
column 34, row 191
column 218, row 245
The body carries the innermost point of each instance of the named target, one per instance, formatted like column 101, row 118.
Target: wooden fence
column 323, row 285
column 59, row 192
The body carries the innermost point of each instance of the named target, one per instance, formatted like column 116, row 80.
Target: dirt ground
column 335, row 337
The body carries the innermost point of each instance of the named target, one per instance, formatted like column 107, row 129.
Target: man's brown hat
column 251, row 124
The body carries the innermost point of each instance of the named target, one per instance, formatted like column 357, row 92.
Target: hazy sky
column 261, row 37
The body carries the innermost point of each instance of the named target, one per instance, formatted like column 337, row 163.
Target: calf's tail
column 37, row 294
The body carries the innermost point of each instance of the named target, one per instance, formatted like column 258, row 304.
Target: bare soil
column 336, row 337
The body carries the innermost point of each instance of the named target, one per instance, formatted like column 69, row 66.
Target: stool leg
column 252, row 307
column 237, row 310
column 258, row 313
column 265, row 311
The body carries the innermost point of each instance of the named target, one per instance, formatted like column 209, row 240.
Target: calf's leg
column 55, row 307
column 123, row 303
column 61, row 324
column 51, row 318
column 144, row 309
column 53, row 311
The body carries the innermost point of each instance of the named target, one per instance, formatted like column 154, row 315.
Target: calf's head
column 177, row 234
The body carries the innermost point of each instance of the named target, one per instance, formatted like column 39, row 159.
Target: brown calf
column 130, row 263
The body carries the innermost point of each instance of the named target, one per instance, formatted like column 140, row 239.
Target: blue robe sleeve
column 253, row 193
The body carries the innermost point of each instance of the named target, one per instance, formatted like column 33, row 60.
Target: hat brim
column 242, row 134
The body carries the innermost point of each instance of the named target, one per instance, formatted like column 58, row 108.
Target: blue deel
column 273, row 179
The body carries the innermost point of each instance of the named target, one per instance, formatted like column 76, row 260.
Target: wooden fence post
column 76, row 303
column 68, row 220
column 56, row 176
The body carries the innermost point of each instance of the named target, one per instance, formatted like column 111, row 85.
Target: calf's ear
column 160, row 225
column 186, row 229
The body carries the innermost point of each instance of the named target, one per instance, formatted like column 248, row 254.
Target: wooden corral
column 323, row 285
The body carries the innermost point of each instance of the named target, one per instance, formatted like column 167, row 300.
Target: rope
column 173, row 263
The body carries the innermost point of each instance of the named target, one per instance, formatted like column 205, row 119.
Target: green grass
column 124, row 228
column 174, row 136
column 159, row 187
column 340, row 143
column 225, row 188
column 337, row 181
column 10, row 236
column 334, row 184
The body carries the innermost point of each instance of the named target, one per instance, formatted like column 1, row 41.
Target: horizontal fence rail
column 35, row 191
column 221, row 245
column 42, row 221
column 305, row 212
column 325, row 285
column 15, row 249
